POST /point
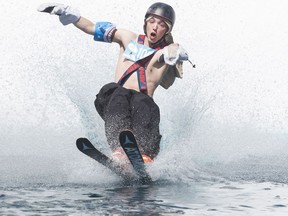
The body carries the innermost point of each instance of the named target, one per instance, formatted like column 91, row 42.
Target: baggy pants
column 122, row 109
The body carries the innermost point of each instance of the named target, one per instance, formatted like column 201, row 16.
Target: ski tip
column 126, row 134
column 79, row 144
column 84, row 144
column 81, row 140
column 126, row 131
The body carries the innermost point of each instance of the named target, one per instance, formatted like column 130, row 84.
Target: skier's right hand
column 66, row 13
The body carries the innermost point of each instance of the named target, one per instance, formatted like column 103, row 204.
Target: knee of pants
column 149, row 143
column 103, row 97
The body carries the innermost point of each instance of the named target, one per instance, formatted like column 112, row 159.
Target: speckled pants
column 121, row 109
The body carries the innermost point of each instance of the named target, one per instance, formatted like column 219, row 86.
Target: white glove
column 66, row 13
column 174, row 53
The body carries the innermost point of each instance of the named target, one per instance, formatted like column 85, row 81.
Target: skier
column 144, row 63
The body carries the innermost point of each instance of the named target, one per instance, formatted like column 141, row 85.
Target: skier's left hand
column 174, row 53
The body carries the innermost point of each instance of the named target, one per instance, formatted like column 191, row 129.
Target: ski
column 129, row 145
column 86, row 147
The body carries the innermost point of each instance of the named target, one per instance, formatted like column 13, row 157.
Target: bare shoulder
column 123, row 36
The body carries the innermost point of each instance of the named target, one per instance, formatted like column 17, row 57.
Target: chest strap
column 140, row 66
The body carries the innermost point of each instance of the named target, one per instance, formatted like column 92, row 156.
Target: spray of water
column 231, row 109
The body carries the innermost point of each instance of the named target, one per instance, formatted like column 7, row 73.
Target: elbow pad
column 104, row 31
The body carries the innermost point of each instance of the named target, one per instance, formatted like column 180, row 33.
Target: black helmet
column 162, row 10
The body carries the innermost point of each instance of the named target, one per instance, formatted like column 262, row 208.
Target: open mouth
column 153, row 35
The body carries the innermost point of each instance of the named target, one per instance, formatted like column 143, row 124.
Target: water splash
column 231, row 108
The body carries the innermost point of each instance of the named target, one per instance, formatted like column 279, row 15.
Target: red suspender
column 139, row 66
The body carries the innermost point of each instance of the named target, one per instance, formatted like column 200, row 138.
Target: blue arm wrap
column 104, row 31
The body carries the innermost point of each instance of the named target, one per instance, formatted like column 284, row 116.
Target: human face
column 156, row 28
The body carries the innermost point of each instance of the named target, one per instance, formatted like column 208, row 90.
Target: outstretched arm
column 68, row 15
column 123, row 37
column 102, row 31
column 85, row 25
